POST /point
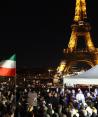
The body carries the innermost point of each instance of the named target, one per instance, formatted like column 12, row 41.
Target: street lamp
column 49, row 70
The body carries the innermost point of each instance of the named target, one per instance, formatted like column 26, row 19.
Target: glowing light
column 72, row 42
column 61, row 67
column 89, row 42
column 80, row 11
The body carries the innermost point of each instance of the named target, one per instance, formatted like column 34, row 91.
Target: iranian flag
column 8, row 67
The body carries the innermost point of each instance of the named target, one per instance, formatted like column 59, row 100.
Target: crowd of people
column 7, row 98
column 29, row 99
column 56, row 102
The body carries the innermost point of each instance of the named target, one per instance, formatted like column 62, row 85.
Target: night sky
column 39, row 31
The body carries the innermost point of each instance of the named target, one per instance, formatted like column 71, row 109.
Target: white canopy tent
column 90, row 77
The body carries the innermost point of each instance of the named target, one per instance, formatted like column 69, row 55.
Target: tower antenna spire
column 80, row 10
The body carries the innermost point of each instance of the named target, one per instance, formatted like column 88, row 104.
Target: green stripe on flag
column 13, row 57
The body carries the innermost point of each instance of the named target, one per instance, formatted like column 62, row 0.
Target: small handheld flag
column 8, row 67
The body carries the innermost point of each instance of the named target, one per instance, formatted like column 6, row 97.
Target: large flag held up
column 8, row 67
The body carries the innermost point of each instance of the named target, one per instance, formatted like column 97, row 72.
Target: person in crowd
column 80, row 96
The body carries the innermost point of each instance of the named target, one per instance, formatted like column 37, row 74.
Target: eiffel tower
column 80, row 31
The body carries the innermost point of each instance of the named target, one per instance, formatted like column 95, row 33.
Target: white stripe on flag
column 8, row 64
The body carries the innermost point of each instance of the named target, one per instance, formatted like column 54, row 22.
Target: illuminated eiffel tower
column 80, row 31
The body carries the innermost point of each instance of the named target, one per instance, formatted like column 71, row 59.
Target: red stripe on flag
column 7, row 71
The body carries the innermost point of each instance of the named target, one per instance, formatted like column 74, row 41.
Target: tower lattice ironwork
column 80, row 30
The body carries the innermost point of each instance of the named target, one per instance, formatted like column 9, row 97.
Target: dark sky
column 38, row 31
